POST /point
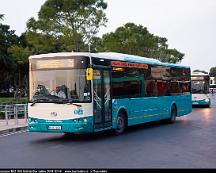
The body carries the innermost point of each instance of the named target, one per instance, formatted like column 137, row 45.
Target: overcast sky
column 189, row 25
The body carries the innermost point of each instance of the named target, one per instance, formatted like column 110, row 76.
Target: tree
column 14, row 54
column 7, row 64
column 212, row 72
column 137, row 40
column 7, row 38
column 202, row 71
column 65, row 25
column 20, row 56
column 20, row 53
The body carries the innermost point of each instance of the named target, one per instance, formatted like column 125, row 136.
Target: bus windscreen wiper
column 72, row 103
column 40, row 100
column 76, row 104
column 65, row 101
column 62, row 101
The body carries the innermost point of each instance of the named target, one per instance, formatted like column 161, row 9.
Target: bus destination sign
column 128, row 64
column 51, row 64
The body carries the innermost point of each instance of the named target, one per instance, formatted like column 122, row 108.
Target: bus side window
column 175, row 88
column 162, row 88
column 124, row 89
column 150, row 88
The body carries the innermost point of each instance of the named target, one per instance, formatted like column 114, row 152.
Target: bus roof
column 109, row 55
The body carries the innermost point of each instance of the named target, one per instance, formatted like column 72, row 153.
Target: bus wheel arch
column 121, row 121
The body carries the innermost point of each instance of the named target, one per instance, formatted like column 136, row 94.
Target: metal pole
column 6, row 115
column 25, row 112
column 89, row 47
column 15, row 115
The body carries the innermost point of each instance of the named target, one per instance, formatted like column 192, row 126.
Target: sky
column 189, row 25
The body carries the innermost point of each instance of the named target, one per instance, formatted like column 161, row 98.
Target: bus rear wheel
column 173, row 114
column 120, row 124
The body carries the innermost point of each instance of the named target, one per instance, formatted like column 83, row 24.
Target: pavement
column 12, row 126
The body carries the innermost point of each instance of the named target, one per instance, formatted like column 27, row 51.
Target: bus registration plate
column 54, row 127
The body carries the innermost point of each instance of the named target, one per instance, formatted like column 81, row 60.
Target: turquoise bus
column 91, row 92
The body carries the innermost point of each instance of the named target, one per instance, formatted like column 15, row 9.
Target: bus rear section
column 151, row 92
column 200, row 90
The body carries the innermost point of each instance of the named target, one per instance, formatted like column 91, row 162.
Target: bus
column 200, row 89
column 212, row 88
column 92, row 92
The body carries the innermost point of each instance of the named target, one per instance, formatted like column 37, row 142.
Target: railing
column 14, row 110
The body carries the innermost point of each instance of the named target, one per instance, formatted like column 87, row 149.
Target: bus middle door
column 101, row 99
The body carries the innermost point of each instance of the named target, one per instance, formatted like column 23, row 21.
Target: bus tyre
column 173, row 114
column 120, row 124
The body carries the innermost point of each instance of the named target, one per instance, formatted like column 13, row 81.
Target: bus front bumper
column 81, row 125
column 201, row 102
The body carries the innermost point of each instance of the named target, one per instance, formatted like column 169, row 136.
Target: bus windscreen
column 54, row 80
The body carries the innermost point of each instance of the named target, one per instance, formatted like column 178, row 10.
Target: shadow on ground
column 67, row 138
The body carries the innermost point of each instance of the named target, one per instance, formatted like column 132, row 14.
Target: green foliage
column 40, row 43
column 7, row 64
column 65, row 25
column 13, row 100
column 7, row 38
column 14, row 54
column 212, row 72
column 137, row 40
column 19, row 54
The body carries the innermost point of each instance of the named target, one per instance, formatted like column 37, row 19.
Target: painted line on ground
column 13, row 133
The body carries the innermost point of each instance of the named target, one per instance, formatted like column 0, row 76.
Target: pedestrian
column 212, row 91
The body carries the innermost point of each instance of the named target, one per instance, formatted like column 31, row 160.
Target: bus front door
column 102, row 100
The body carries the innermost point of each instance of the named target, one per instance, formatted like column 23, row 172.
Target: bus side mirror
column 89, row 74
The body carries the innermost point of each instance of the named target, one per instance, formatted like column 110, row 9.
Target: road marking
column 57, row 146
column 13, row 133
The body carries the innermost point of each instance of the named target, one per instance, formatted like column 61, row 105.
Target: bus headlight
column 32, row 120
column 206, row 100
column 75, row 121
column 80, row 120
column 85, row 120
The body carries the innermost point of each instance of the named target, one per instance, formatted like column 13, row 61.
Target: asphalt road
column 189, row 143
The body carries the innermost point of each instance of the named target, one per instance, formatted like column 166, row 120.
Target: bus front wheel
column 120, row 124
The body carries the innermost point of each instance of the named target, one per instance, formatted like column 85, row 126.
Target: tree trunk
column 20, row 80
column 77, row 46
